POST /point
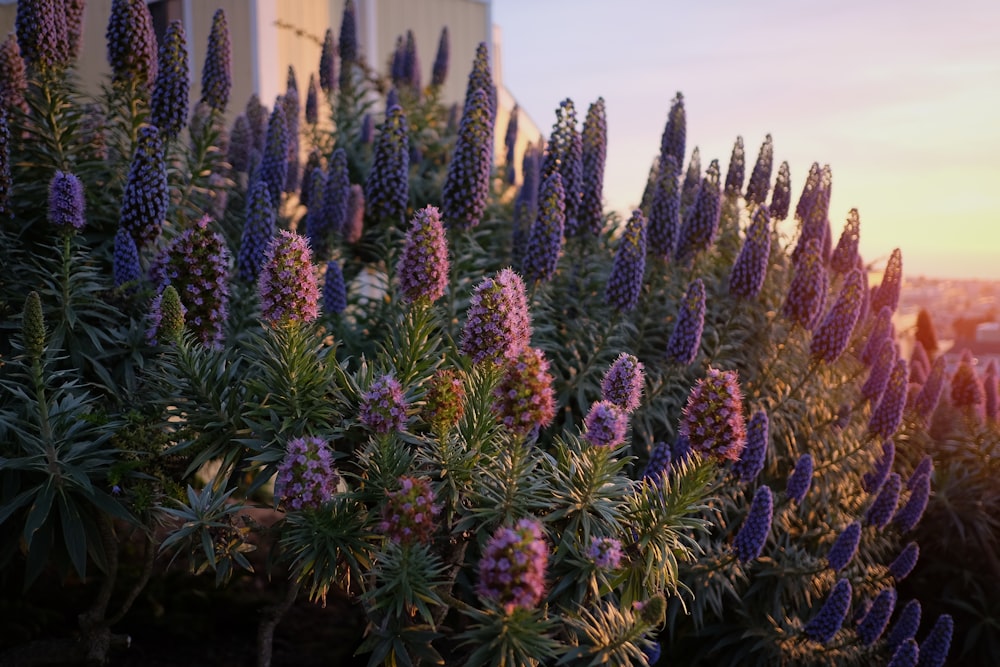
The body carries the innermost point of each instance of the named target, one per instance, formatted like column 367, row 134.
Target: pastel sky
column 901, row 98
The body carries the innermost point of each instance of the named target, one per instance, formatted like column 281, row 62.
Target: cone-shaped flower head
column 844, row 547
column 498, row 325
column 966, row 389
column 444, row 403
column 925, row 467
column 525, row 205
column 336, row 193
column 33, row 327
column 216, row 77
column 884, row 506
column 878, row 378
column 564, row 155
column 257, row 116
column 166, row 318
column 845, row 255
column 905, row 627
column 387, row 188
column 672, row 141
column 328, row 63
column 877, row 618
column 810, row 189
column 480, row 78
column 887, row 293
column 292, row 112
column 665, row 211
column 439, row 72
column 144, row 204
column 605, row 425
column 800, row 479
column 349, row 33
column 313, row 163
column 873, row 481
column 288, row 289
column 66, row 202
column 605, row 553
column 750, row 268
column 595, row 148
column 131, row 42
column 816, row 223
column 196, row 263
column 752, row 536
column 383, row 406
column 273, row 168
column 685, row 340
column 752, row 460
column 659, row 462
column 259, row 228
column 334, row 290
column 13, row 77
column 737, row 169
column 512, row 569
column 312, row 101
column 927, row 400
column 625, row 281
column 169, row 103
column 125, row 263
column 692, row 179
column 806, row 294
column 888, row 413
column 622, row 383
column 354, row 223
column 423, row 264
column 934, row 649
column 546, row 238
column 904, row 563
column 712, row 420
column 881, row 330
column 41, row 33
column 701, row 222
column 989, row 392
column 760, row 179
column 825, row 624
column 409, row 512
column 834, row 332
column 317, row 229
column 909, row 514
column 307, row 477
column 411, row 64
column 906, row 654
column 524, row 399
column 781, row 196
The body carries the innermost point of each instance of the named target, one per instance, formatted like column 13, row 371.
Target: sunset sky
column 900, row 98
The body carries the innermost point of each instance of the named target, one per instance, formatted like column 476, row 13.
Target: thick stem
column 271, row 616
column 93, row 625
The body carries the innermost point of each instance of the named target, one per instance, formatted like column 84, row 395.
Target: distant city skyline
column 901, row 99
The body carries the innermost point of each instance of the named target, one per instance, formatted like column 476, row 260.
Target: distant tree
column 925, row 333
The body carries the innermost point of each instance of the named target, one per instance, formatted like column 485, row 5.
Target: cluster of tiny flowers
column 877, row 618
column 906, row 654
column 273, row 168
column 66, row 202
column 546, row 236
column 845, row 255
column 314, row 162
column 525, row 205
column 681, row 448
column 809, row 193
column 906, row 626
column 423, row 263
column 920, row 365
column 672, row 141
column 815, row 224
column 383, row 406
column 712, row 420
column 605, row 425
column 168, row 106
column 196, row 263
column 692, row 178
column 665, row 210
column 466, row 186
column 334, row 289
column 750, row 268
column 605, row 552
column 317, row 228
column 166, row 317
column 884, row 507
column 354, row 222
column 292, row 112
column 328, row 63
column 930, row 394
column 830, row 618
column 288, row 289
column 760, row 178
column 925, row 467
column 880, row 331
column 659, row 462
column 625, row 281
column 216, row 77
column 806, row 294
column 751, row 461
column 512, row 569
column 444, row 403
column 336, row 193
column 844, row 547
column 966, row 389
column 990, row 388
column 131, row 42
column 439, row 71
column 144, row 204
column 834, row 332
column 904, row 563
column 13, row 76
column 878, row 377
column 564, row 155
column 752, row 536
column 74, row 27
column 259, row 227
column 800, row 479
column 781, row 196
column 737, row 168
column 348, row 47
column 873, row 481
column 524, row 399
column 888, row 413
column 498, row 325
column 307, row 478
column 387, row 188
column 892, row 280
column 701, row 222
column 33, row 326
column 934, row 649
column 125, row 263
column 408, row 515
column 685, row 340
column 909, row 514
column 622, row 383
column 595, row 147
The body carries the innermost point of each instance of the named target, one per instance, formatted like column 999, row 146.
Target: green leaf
column 73, row 534
column 39, row 511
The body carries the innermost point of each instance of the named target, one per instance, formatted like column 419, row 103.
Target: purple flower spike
column 834, row 333
column 336, row 193
column 701, row 221
column 625, row 282
column 906, row 626
column 692, row 179
column 806, row 294
column 273, row 168
column 288, row 289
column 216, row 78
column 258, row 230
column 750, row 269
column 312, row 100
column 877, row 618
column 127, row 272
column 990, row 388
column 328, row 63
column 13, row 77
column 564, row 155
column 169, row 103
column 525, row 205
column 334, row 290
column 524, row 399
column 605, row 425
column 387, row 188
column 423, row 264
column 760, row 178
column 927, row 400
column 844, row 547
column 892, row 281
column 825, row 625
column 878, row 377
column 781, row 196
column 512, row 569
column 595, row 148
column 713, row 420
column 354, row 224
column 409, row 513
column 752, row 460
column 925, row 467
column 664, row 214
column 444, row 402
column 904, row 563
column 546, row 238
column 659, row 462
column 672, row 141
column 752, row 536
column 881, row 511
column 605, row 552
column 66, row 202
column 383, row 406
column 348, row 48
column 873, row 481
column 881, row 330
column 480, row 78
column 737, row 169
column 622, row 383
column 131, row 43
column 966, row 389
column 845, row 255
column 316, row 224
column 498, row 325
column 292, row 111
column 888, row 413
column 909, row 515
column 906, row 654
column 307, row 478
column 800, row 479
column 685, row 340
column 144, row 204
column 934, row 649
